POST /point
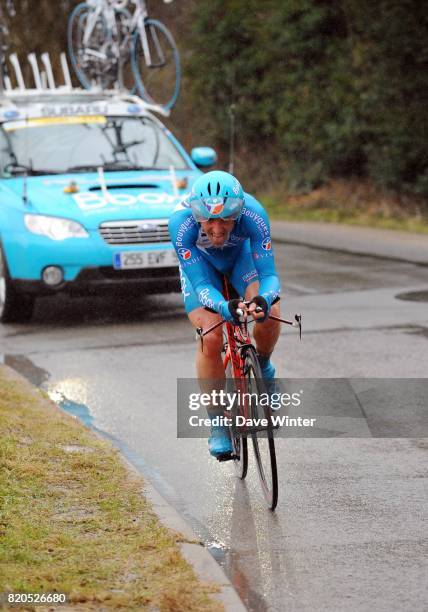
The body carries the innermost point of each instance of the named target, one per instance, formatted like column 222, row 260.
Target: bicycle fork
column 145, row 31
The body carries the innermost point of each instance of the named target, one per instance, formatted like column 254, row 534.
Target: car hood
column 114, row 196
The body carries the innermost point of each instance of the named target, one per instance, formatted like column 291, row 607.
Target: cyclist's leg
column 209, row 364
column 265, row 334
column 208, row 357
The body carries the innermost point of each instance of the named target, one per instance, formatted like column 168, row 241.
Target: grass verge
column 74, row 520
column 349, row 202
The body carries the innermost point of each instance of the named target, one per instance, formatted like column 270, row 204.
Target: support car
column 87, row 183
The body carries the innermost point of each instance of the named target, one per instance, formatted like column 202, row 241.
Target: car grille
column 135, row 232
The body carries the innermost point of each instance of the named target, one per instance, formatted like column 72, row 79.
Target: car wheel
column 15, row 307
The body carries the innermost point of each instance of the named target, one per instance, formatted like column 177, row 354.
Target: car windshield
column 58, row 145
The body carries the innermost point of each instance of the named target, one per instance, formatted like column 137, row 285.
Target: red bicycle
column 251, row 413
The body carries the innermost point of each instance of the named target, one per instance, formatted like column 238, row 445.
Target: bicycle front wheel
column 156, row 64
column 263, row 440
column 239, row 439
column 240, row 450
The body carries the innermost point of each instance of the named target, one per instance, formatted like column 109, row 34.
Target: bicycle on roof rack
column 4, row 34
column 241, row 364
column 110, row 46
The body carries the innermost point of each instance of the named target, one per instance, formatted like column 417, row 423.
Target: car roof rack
column 46, row 91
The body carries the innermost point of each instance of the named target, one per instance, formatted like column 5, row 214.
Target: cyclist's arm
column 257, row 226
column 184, row 232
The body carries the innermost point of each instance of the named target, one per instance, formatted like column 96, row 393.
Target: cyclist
column 220, row 230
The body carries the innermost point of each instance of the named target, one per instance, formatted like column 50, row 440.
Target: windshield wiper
column 83, row 168
column 16, row 167
column 109, row 167
column 117, row 167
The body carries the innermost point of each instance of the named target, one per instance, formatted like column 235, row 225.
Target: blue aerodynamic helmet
column 216, row 195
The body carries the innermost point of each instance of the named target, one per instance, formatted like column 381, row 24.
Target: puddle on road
column 420, row 331
column 413, row 296
column 231, row 562
column 24, row 366
column 39, row 377
column 80, row 411
column 218, row 551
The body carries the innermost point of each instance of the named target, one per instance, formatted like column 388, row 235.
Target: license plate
column 145, row 259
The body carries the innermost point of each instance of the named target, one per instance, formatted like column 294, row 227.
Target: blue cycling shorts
column 241, row 274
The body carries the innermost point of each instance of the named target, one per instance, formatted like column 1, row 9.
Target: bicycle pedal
column 226, row 457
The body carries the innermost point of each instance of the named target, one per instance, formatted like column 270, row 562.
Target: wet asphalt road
column 350, row 528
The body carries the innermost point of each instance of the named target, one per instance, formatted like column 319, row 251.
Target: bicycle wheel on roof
column 156, row 64
column 93, row 48
column 123, row 44
column 87, row 59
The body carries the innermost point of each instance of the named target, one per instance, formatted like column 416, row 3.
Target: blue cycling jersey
column 196, row 254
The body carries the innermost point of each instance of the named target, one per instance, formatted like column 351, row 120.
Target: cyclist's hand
column 259, row 309
column 230, row 311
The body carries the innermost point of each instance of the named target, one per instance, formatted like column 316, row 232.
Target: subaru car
column 87, row 184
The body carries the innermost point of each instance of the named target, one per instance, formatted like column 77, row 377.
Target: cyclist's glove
column 260, row 301
column 228, row 311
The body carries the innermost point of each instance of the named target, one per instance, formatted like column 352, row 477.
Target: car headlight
column 54, row 228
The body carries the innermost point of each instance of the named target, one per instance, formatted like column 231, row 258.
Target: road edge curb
column 314, row 244
column 191, row 548
column 204, row 565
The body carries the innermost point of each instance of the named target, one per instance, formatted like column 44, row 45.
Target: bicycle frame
column 239, row 338
column 110, row 41
column 108, row 9
column 140, row 13
column 100, row 7
column 241, row 356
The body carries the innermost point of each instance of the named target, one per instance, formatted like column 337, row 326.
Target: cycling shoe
column 267, row 369
column 219, row 442
column 272, row 385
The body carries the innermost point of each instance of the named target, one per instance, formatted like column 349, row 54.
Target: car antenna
column 25, row 189
column 25, row 183
column 25, row 180
column 102, row 181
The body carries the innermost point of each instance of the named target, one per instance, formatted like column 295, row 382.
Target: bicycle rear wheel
column 88, row 64
column 263, row 441
column 158, row 83
column 240, row 447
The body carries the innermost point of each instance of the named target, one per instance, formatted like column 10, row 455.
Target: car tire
column 15, row 307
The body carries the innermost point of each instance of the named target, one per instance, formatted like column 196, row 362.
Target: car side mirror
column 203, row 157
